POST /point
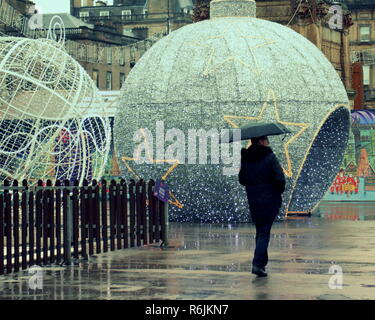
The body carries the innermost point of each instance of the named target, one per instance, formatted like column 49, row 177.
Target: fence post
column 112, row 214
column 138, row 203
column 151, row 210
column 16, row 223
column 164, row 224
column 132, row 211
column 97, row 216
column 38, row 221
column 144, row 216
column 51, row 220
column 45, row 225
column 68, row 225
column 58, row 221
column 31, row 227
column 157, row 219
column 24, row 224
column 8, row 227
column 75, row 220
column 90, row 214
column 119, row 222
column 104, row 215
column 1, row 234
column 124, row 209
column 83, row 219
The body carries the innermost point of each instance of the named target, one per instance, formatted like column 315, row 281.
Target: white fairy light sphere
column 53, row 123
column 223, row 73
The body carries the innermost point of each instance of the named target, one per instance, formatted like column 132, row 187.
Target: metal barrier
column 46, row 224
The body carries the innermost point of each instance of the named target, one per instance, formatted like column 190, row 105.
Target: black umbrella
column 258, row 129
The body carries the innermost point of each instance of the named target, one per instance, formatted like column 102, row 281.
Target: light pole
column 168, row 20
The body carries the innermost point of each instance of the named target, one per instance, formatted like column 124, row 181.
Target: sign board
column 370, row 183
column 161, row 190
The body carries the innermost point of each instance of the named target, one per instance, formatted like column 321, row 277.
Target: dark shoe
column 260, row 272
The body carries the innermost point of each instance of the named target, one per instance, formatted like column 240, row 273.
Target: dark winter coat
column 263, row 178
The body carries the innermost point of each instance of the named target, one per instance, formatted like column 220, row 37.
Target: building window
column 122, row 79
column 109, row 55
column 366, row 75
column 95, row 77
column 127, row 32
column 104, row 14
column 84, row 14
column 109, row 80
column 126, row 14
column 364, row 16
column 122, row 57
column 364, row 34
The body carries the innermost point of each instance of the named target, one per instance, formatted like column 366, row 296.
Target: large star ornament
column 175, row 163
column 231, row 120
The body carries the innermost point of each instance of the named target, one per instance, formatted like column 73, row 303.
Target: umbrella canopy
column 256, row 130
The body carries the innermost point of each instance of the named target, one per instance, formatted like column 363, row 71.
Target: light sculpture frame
column 53, row 122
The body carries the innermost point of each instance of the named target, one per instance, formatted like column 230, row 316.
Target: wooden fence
column 46, row 224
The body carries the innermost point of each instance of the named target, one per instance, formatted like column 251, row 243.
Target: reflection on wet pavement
column 347, row 210
column 214, row 262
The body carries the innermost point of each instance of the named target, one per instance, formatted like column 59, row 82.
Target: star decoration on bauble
column 175, row 163
column 230, row 119
column 212, row 67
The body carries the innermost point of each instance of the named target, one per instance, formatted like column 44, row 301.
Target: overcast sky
column 56, row 6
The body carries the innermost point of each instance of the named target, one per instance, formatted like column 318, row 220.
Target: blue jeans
column 262, row 239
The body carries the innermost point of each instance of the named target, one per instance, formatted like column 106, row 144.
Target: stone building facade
column 362, row 45
column 139, row 18
column 14, row 17
column 101, row 50
column 21, row 5
column 104, row 53
column 312, row 20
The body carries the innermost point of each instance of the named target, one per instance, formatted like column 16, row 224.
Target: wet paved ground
column 214, row 262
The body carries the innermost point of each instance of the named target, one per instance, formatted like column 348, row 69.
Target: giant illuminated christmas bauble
column 53, row 123
column 223, row 73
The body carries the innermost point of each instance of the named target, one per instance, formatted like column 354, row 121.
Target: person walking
column 264, row 180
